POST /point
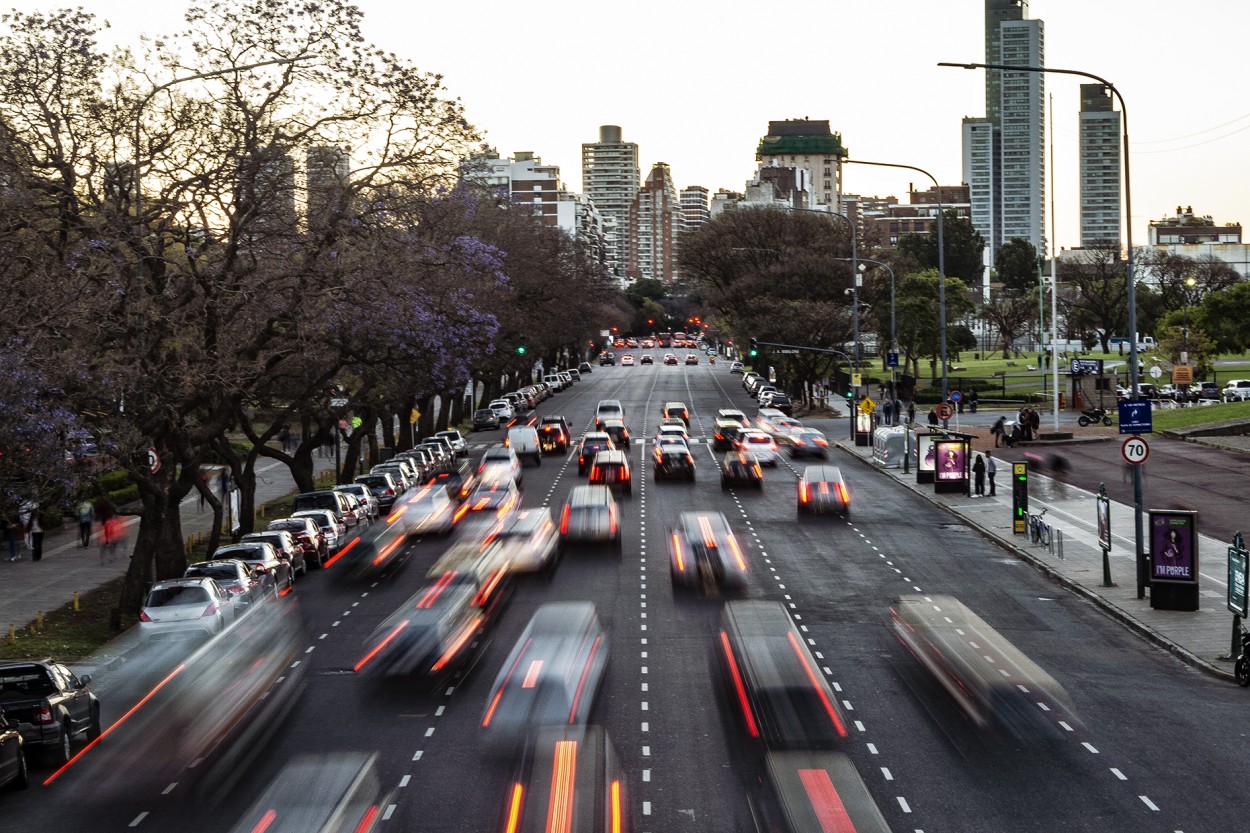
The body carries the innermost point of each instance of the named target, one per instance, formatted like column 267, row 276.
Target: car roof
column 596, row 435
column 817, row 473
column 589, row 496
column 691, row 523
column 611, row 457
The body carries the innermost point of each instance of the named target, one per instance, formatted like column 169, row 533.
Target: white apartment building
column 1100, row 166
column 610, row 176
column 811, row 146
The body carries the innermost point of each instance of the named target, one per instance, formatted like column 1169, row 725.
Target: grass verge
column 1168, row 418
column 68, row 634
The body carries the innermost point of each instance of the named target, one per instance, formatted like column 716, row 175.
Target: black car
column 646, row 359
column 554, row 434
column 607, row 359
column 382, row 487
column 739, row 468
column 485, row 419
column 703, row 550
column 808, row 442
column 822, row 489
column 673, row 462
column 782, row 403
column 592, row 444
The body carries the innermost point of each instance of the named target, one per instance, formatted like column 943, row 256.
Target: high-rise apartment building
column 811, row 145
column 655, row 218
column 326, row 172
column 1004, row 152
column 1100, row 166
column 610, row 177
column 695, row 210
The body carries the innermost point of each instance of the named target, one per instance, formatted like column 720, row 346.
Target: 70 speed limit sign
column 1135, row 451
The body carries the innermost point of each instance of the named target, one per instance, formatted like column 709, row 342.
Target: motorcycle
column 1092, row 415
column 1242, row 669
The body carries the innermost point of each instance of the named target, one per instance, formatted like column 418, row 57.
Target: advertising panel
column 926, row 448
column 1104, row 522
column 1237, row 568
column 1173, row 547
column 951, row 461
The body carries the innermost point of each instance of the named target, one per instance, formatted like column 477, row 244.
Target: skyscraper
column 1004, row 152
column 610, row 177
column 655, row 218
column 810, row 145
column 326, row 172
column 694, row 207
column 1100, row 166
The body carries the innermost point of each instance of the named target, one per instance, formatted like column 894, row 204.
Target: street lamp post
column 1189, row 285
column 937, row 190
column 886, row 266
column 1134, row 390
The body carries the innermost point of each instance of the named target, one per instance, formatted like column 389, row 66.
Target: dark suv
column 49, row 705
column 1208, row 390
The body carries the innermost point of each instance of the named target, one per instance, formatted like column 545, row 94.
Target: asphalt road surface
column 1160, row 747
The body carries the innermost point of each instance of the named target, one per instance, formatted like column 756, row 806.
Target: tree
column 1017, row 265
column 1222, row 317
column 1012, row 306
column 964, row 248
column 1096, row 299
column 919, row 315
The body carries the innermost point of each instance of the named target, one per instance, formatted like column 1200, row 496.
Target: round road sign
column 154, row 460
column 1135, row 451
column 945, row 411
column 956, row 396
column 1156, row 372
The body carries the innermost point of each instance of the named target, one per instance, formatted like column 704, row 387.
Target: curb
column 1137, row 626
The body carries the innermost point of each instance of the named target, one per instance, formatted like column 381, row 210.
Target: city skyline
column 873, row 76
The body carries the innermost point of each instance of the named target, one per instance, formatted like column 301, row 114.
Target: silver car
column 362, row 494
column 761, row 445
column 590, row 514
column 185, row 607
column 458, row 443
column 279, row 574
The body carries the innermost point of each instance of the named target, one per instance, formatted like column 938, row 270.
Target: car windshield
column 221, row 572
column 178, row 595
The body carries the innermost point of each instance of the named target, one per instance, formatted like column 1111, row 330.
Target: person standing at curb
column 991, row 468
column 11, row 529
column 34, row 533
column 86, row 515
column 998, row 428
column 978, row 472
column 933, row 418
column 972, row 400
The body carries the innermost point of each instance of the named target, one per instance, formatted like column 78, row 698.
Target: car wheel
column 22, row 780
column 60, row 754
column 95, row 729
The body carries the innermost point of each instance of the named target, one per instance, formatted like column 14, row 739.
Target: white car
column 737, row 367
column 627, row 360
column 499, row 460
column 458, row 443
column 761, row 445
column 1237, row 390
column 185, row 607
column 502, row 409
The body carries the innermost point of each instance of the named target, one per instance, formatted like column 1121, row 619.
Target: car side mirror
column 83, row 680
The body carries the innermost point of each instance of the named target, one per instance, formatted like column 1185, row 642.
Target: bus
column 663, row 339
column 679, row 339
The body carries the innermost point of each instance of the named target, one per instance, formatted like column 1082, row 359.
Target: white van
column 523, row 440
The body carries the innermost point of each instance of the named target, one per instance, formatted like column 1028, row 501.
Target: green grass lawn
column 1167, row 418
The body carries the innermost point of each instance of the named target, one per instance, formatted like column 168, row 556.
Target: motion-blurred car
column 585, row 367
column 331, row 792
column 279, row 574
column 997, row 688
column 725, row 431
column 498, row 462
column 822, row 491
column 14, row 771
column 529, row 539
column 611, row 468
column 49, row 707
column 676, row 410
column 524, row 442
column 554, row 435
column 740, row 468
column 590, row 515
column 233, row 576
column 692, row 358
column 673, row 462
column 458, row 443
column 704, row 553
column 616, row 429
column 606, row 359
column 186, row 607
column 431, row 511
column 499, row 497
column 592, row 443
column 647, row 358
column 736, row 367
column 484, row 419
column 502, row 409
column 808, row 442
column 284, row 544
column 627, row 360
column 760, row 444
column 774, row 685
column 383, row 488
column 734, row 414
column 608, row 409
column 779, row 401
column 552, row 674
column 458, row 482
column 672, row 427
column 570, row 780
column 802, row 791
column 307, row 534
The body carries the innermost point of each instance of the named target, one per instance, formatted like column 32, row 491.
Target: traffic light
column 755, row 350
column 520, row 350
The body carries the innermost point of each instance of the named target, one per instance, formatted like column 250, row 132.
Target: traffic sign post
column 1019, row 498
column 1135, row 417
column 945, row 411
column 1238, row 573
column 154, row 460
column 1135, row 451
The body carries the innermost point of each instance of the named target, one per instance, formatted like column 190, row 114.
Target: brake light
column 564, row 520
column 737, row 551
column 738, row 686
column 758, row 472
column 843, row 494
column 211, row 609
column 819, row 441
column 265, row 821
column 594, row 473
column 681, row 561
column 43, row 714
column 816, row 682
column 144, row 617
column 366, row 821
column 612, row 522
column 577, row 696
column 390, row 492
column 381, row 645
column 616, row 807
column 514, row 808
column 804, row 492
column 469, row 630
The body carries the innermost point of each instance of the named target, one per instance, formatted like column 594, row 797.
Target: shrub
column 121, row 497
column 114, row 480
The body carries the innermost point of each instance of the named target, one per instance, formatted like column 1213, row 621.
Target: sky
column 695, row 82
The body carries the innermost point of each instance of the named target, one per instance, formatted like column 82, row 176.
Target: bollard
column 12, row 634
column 75, row 600
column 1058, row 540
column 39, row 620
column 261, row 511
column 30, row 628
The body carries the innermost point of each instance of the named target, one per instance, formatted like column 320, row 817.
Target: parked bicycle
column 1039, row 530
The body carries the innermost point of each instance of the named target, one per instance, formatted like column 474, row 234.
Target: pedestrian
column 898, row 410
column 911, row 411
column 34, row 533
column 223, row 481
column 933, row 418
column 284, row 439
column 86, row 515
column 11, row 529
column 1035, row 424
column 887, row 411
column 978, row 473
column 998, row 429
column 991, row 469
column 25, row 515
column 104, row 511
column 972, row 401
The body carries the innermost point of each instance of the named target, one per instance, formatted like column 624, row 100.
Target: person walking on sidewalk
column 34, row 533
column 991, row 468
column 933, row 418
column 86, row 515
column 998, row 428
column 887, row 412
column 978, row 472
column 11, row 529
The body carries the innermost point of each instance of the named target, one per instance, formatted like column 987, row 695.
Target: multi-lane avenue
column 1158, row 746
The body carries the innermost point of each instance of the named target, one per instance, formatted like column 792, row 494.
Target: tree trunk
column 159, row 548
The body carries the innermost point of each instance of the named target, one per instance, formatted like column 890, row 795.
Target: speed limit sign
column 1135, row 451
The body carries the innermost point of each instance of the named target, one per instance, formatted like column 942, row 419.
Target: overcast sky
column 695, row 82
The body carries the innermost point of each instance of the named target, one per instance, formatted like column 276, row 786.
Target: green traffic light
column 754, row 353
column 520, row 351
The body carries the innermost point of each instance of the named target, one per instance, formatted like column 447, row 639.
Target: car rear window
column 166, row 596
column 222, row 572
column 316, row 501
column 26, row 679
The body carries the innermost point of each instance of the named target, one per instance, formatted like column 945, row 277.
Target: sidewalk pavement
column 27, row 587
column 1198, row 638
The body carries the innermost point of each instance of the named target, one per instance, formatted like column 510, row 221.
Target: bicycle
column 1039, row 530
